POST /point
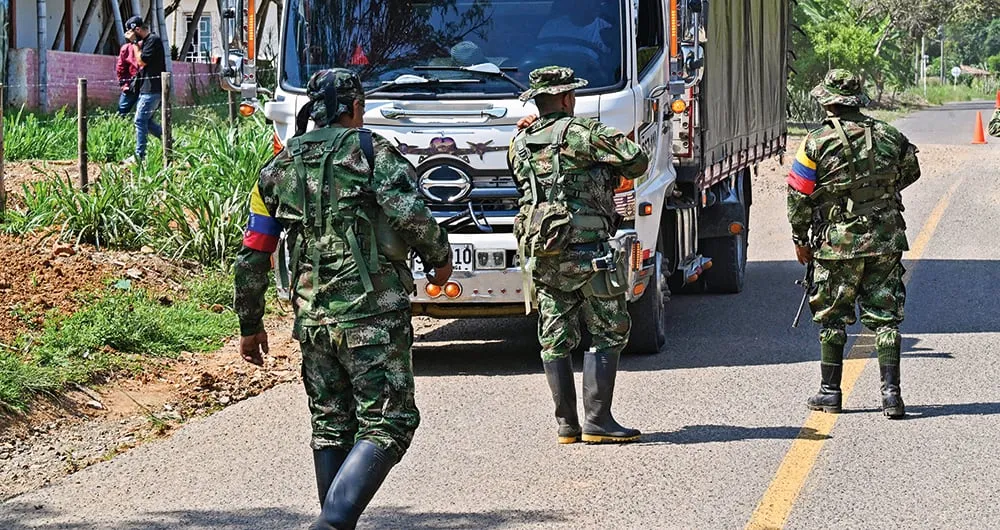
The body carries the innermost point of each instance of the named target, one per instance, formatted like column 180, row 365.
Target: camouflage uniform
column 995, row 122
column 351, row 303
column 591, row 157
column 844, row 202
column 594, row 155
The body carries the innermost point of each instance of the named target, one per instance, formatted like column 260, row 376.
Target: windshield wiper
column 488, row 69
column 410, row 80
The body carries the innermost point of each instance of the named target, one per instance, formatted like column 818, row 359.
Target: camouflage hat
column 334, row 85
column 841, row 87
column 552, row 80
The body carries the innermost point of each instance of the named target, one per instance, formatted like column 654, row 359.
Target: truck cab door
column 652, row 67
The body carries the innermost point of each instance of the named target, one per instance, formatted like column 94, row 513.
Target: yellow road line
column 778, row 500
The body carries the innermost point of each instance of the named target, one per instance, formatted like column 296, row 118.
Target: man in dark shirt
column 151, row 66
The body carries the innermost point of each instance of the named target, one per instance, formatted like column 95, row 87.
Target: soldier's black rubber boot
column 892, row 399
column 599, row 370
column 559, row 374
column 829, row 399
column 327, row 461
column 360, row 476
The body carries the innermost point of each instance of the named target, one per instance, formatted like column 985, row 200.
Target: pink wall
column 63, row 69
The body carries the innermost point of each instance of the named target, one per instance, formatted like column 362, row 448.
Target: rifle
column 807, row 283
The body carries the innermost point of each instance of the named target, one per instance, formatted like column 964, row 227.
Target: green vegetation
column 195, row 208
column 938, row 94
column 116, row 331
column 881, row 41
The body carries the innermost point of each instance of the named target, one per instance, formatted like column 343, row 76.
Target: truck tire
column 729, row 263
column 649, row 327
column 729, row 254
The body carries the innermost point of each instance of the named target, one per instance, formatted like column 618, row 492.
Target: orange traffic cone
column 978, row 137
column 998, row 99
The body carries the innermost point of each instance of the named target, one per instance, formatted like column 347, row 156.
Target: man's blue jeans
column 144, row 123
column 126, row 102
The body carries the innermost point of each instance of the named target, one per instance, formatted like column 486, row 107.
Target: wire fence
column 167, row 109
column 116, row 82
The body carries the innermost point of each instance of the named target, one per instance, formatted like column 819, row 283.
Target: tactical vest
column 871, row 192
column 568, row 201
column 334, row 226
column 553, row 214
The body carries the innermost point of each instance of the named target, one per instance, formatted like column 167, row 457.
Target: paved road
column 728, row 440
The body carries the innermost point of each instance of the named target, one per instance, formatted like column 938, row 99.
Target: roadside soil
column 83, row 426
column 17, row 174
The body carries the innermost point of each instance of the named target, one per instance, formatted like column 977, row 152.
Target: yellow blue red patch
column 262, row 230
column 802, row 176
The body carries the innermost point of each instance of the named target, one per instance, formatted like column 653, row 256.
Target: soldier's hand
column 251, row 347
column 439, row 276
column 526, row 121
column 804, row 254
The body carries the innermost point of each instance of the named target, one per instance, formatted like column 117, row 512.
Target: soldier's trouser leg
column 608, row 321
column 833, row 306
column 559, row 333
column 558, row 321
column 882, row 297
column 376, row 354
column 331, row 404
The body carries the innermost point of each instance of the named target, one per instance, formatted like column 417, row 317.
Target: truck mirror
column 232, row 40
column 232, row 70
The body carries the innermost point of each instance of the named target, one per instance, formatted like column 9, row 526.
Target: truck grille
column 465, row 200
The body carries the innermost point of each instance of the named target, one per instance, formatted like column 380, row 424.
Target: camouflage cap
column 334, row 85
column 552, row 80
column 841, row 87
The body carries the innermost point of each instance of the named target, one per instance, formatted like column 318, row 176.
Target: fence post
column 166, row 115
column 3, row 186
column 81, row 131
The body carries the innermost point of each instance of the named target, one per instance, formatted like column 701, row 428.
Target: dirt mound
column 38, row 276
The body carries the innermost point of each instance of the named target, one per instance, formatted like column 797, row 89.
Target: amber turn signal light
column 678, row 106
column 452, row 290
column 639, row 289
column 645, row 209
column 735, row 228
column 432, row 290
column 276, row 144
column 247, row 109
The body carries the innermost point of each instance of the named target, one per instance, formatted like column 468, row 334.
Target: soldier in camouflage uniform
column 846, row 215
column 995, row 122
column 346, row 199
column 574, row 164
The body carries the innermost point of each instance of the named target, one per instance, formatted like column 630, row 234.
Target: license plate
column 462, row 258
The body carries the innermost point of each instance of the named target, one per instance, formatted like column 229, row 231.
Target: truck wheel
column 729, row 263
column 649, row 328
column 729, row 254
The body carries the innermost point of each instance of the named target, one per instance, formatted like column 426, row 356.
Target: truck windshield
column 384, row 39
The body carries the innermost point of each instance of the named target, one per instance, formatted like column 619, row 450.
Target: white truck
column 699, row 84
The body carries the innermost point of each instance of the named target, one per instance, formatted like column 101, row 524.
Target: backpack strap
column 864, row 196
column 558, row 137
column 368, row 148
column 839, row 127
column 551, row 139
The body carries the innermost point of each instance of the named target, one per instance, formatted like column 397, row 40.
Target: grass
column 117, row 331
column 196, row 208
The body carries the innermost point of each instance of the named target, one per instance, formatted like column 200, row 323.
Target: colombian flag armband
column 802, row 177
column 262, row 230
